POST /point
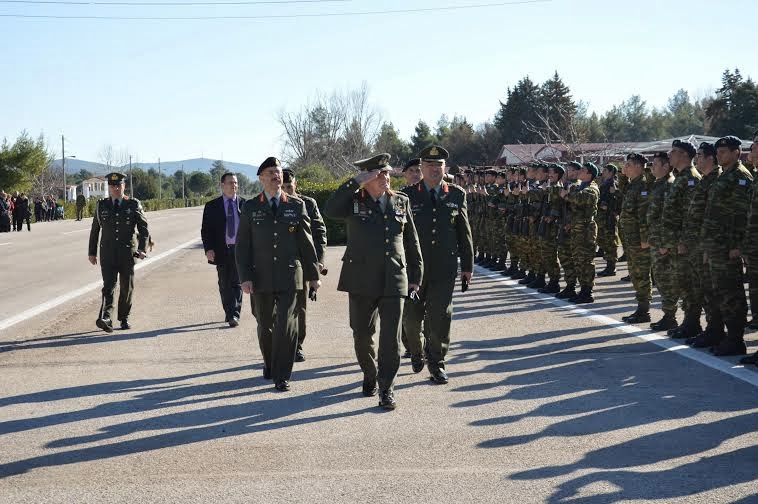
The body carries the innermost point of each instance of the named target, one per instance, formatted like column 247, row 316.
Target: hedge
column 69, row 209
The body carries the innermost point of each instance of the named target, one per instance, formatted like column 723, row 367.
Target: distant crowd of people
column 16, row 209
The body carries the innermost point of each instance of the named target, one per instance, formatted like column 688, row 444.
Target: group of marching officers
column 687, row 219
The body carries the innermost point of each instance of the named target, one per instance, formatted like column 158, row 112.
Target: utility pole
column 131, row 179
column 63, row 163
column 160, row 189
column 183, row 183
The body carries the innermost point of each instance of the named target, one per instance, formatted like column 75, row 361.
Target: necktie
column 230, row 219
column 273, row 205
column 433, row 195
column 116, row 205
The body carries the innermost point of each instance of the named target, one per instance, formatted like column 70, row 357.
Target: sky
column 179, row 89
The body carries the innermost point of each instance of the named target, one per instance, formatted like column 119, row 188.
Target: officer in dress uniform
column 124, row 237
column 382, row 265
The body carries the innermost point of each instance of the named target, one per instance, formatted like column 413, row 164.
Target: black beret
column 115, row 178
column 434, row 153
column 576, row 165
column 269, row 163
column 592, row 168
column 708, row 149
column 685, row 146
column 663, row 156
column 288, row 175
column 636, row 157
column 730, row 141
column 416, row 162
column 378, row 162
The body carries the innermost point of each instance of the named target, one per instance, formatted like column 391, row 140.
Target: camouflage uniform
column 583, row 203
column 663, row 265
column 564, row 241
column 511, row 236
column 551, row 212
column 534, row 199
column 633, row 222
column 723, row 230
column 607, row 212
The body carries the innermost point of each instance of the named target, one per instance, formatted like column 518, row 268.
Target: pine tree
column 556, row 106
column 518, row 112
column 422, row 138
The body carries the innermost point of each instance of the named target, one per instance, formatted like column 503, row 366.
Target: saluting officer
column 124, row 237
column 381, row 266
column 275, row 255
column 318, row 232
column 441, row 217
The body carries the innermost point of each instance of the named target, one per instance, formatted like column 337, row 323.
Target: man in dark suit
column 318, row 232
column 381, row 266
column 221, row 218
column 275, row 255
column 440, row 212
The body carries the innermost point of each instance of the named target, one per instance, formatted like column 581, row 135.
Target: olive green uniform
column 583, row 203
column 445, row 236
column 633, row 222
column 275, row 252
column 664, row 266
column 122, row 231
column 381, row 259
column 318, row 233
column 607, row 216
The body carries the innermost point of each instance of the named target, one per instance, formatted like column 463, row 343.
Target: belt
column 230, row 246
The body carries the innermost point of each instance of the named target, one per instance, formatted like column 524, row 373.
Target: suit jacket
column 383, row 254
column 124, row 232
column 443, row 229
column 213, row 229
column 275, row 252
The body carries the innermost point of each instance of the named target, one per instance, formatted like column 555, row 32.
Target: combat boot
column 733, row 344
column 609, row 271
column 689, row 329
column 518, row 275
column 667, row 322
column 551, row 288
column 599, row 252
column 510, row 270
column 640, row 315
column 711, row 337
column 527, row 279
column 568, row 292
column 584, row 296
column 622, row 258
column 499, row 265
column 626, row 279
column 490, row 262
column 538, row 283
column 479, row 258
column 751, row 359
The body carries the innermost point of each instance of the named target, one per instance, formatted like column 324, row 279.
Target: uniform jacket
column 658, row 194
column 726, row 212
column 124, row 232
column 443, row 229
column 213, row 229
column 275, row 251
column 318, row 226
column 383, row 254
column 583, row 201
column 696, row 210
column 675, row 206
column 633, row 219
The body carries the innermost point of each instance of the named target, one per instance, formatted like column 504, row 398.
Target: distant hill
column 167, row 167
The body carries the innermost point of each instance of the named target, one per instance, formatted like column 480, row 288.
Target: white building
column 96, row 187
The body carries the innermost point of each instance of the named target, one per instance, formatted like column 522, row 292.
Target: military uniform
column 583, row 203
column 445, row 235
column 318, row 232
column 548, row 231
column 663, row 265
column 81, row 202
column 723, row 230
column 633, row 222
column 121, row 228
column 607, row 215
column 381, row 259
column 275, row 252
column 563, row 241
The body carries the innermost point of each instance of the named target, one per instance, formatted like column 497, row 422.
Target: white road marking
column 735, row 370
column 41, row 308
column 8, row 243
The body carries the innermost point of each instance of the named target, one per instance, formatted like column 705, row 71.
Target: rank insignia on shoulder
column 743, row 181
column 292, row 229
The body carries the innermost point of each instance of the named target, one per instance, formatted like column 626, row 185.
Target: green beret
column 685, row 146
column 556, row 168
column 575, row 165
column 612, row 167
column 592, row 168
column 412, row 162
column 115, row 178
column 434, row 153
column 730, row 141
column 378, row 162
column 288, row 175
column 269, row 163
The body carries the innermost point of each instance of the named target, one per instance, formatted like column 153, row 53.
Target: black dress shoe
column 105, row 324
column 266, row 373
column 417, row 363
column 299, row 356
column 369, row 388
column 626, row 279
column 387, row 400
column 125, row 325
column 234, row 322
column 282, row 386
column 439, row 377
column 750, row 359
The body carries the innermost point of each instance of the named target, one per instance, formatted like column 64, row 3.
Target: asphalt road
column 546, row 403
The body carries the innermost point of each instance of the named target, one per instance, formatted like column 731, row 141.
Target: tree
column 200, row 183
column 217, row 170
column 684, row 116
column 315, row 173
column 145, row 184
column 734, row 110
column 519, row 110
column 247, row 187
column 389, row 141
column 556, row 104
column 422, row 138
column 25, row 163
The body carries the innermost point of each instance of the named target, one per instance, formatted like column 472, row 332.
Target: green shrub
column 149, row 205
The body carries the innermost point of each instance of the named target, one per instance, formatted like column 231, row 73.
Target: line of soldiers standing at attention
column 687, row 220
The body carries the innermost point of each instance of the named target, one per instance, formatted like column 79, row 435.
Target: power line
column 277, row 16
column 165, row 4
